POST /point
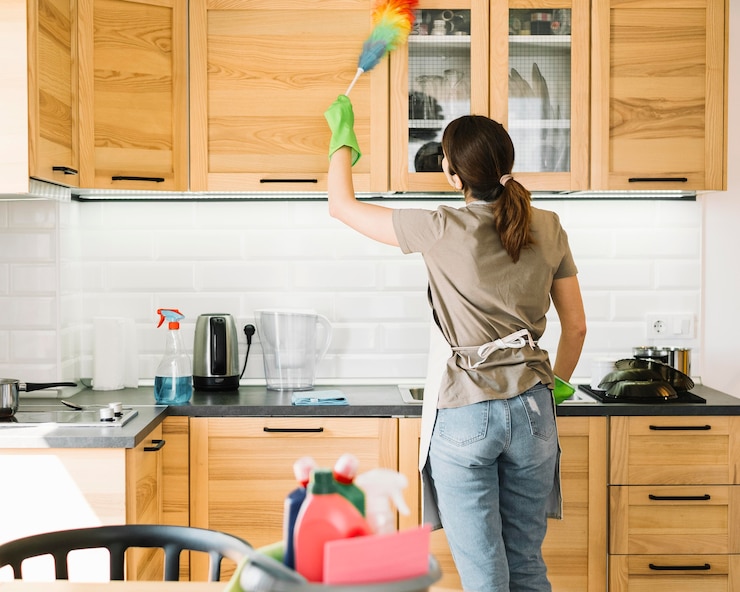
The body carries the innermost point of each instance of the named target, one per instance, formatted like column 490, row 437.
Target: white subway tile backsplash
column 33, row 279
column 26, row 245
column 130, row 258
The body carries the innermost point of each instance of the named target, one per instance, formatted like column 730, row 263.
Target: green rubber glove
column 341, row 120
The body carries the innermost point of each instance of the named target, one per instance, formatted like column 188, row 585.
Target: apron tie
column 516, row 340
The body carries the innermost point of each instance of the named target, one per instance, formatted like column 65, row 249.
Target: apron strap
column 516, row 340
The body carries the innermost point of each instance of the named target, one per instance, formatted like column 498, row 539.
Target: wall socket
column 670, row 326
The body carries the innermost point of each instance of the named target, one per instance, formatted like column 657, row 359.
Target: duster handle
column 357, row 76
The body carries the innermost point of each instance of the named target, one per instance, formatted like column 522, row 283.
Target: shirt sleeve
column 416, row 229
column 567, row 267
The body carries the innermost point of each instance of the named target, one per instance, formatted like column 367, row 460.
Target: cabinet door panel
column 262, row 75
column 681, row 520
column 658, row 95
column 133, row 97
column 652, row 573
column 675, row 450
column 52, row 116
column 242, row 468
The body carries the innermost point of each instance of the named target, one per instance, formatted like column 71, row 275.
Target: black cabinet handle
column 658, row 180
column 158, row 445
column 296, row 430
column 289, row 180
column 680, row 498
column 680, row 428
column 134, row 178
column 704, row 567
column 65, row 169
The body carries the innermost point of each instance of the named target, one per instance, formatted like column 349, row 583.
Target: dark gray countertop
column 257, row 401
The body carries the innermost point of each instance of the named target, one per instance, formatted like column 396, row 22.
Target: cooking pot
column 9, row 389
column 646, row 380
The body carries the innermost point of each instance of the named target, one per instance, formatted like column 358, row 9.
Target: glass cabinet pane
column 438, row 81
column 540, row 89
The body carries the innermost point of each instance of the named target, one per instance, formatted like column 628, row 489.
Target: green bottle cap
column 322, row 481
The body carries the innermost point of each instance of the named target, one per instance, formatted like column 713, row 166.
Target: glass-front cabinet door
column 540, row 90
column 440, row 74
column 524, row 63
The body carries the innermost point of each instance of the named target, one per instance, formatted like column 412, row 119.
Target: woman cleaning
column 489, row 452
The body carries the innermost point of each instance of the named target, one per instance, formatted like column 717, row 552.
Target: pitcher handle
column 323, row 347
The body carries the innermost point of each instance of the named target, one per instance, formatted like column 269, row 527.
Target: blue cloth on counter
column 320, row 398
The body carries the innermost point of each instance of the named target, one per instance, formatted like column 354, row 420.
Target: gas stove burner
column 683, row 397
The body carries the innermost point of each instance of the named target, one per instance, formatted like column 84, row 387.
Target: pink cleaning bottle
column 324, row 516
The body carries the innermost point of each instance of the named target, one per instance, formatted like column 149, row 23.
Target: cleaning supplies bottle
column 380, row 486
column 345, row 471
column 324, row 516
column 173, row 380
column 302, row 469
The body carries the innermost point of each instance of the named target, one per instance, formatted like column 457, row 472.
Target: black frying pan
column 677, row 379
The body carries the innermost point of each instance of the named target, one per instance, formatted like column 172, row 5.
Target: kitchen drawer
column 674, row 450
column 691, row 573
column 677, row 520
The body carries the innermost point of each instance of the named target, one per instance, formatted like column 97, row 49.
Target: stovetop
column 683, row 397
column 88, row 418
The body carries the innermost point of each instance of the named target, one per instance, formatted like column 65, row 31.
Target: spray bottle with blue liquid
column 173, row 380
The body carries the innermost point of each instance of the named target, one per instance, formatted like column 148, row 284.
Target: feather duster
column 392, row 22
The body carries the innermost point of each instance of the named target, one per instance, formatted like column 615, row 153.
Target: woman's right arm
column 566, row 297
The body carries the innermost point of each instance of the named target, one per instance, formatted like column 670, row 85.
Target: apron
column 439, row 353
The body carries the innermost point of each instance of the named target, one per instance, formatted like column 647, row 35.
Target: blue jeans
column 493, row 465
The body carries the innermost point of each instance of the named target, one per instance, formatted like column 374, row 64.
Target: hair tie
column 505, row 179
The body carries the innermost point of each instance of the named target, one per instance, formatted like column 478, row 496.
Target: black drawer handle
column 680, row 498
column 158, row 445
column 289, row 180
column 658, row 180
column 134, row 178
column 704, row 567
column 296, row 430
column 64, row 169
column 680, row 428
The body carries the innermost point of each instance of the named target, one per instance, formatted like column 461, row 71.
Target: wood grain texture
column 240, row 473
column 133, row 79
column 261, row 76
column 659, row 94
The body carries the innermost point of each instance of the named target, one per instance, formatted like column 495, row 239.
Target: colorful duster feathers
column 392, row 22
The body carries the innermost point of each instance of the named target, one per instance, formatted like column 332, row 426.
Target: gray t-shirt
column 479, row 294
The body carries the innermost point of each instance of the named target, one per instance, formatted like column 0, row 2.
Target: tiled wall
column 62, row 264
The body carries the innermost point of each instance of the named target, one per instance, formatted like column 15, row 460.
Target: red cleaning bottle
column 324, row 516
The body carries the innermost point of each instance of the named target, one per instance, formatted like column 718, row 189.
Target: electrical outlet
column 670, row 326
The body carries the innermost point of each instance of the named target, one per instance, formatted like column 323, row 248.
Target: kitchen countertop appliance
column 215, row 353
column 293, row 344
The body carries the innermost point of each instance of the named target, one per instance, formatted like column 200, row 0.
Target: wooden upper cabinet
column 262, row 73
column 52, row 92
column 133, row 94
column 659, row 95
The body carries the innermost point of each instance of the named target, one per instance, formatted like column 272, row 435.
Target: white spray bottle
column 381, row 486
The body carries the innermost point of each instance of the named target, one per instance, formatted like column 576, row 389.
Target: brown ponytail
column 479, row 151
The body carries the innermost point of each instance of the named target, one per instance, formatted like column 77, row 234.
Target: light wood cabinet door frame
column 241, row 468
column 133, row 94
column 659, row 95
column 262, row 73
column 577, row 178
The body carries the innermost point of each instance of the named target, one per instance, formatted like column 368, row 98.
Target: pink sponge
column 378, row 557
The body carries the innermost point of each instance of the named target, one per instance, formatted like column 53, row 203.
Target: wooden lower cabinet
column 575, row 547
column 674, row 504
column 241, row 468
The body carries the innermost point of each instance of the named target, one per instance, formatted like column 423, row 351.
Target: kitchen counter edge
column 256, row 401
